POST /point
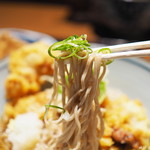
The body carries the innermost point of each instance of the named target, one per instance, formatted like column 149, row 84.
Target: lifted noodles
column 82, row 123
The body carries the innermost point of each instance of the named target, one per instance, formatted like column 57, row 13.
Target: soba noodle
column 81, row 125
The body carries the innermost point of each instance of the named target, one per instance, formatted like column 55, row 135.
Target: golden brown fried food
column 34, row 103
column 126, row 123
column 34, row 56
column 21, row 83
column 27, row 66
column 8, row 44
column 4, row 144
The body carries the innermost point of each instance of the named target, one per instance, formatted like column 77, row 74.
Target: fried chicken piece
column 34, row 56
column 27, row 66
column 33, row 103
column 124, row 137
column 21, row 83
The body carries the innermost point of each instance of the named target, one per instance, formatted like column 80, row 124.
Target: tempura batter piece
column 34, row 103
column 21, row 83
column 34, row 56
column 27, row 66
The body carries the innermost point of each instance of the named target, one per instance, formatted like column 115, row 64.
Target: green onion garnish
column 54, row 106
column 106, row 51
column 72, row 45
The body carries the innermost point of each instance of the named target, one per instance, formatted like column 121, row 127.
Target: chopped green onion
column 54, row 106
column 72, row 45
column 59, row 89
column 102, row 87
column 106, row 51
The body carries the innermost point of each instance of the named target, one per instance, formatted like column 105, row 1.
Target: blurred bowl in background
column 28, row 35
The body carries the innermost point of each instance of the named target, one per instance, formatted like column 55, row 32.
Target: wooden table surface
column 50, row 19
column 46, row 18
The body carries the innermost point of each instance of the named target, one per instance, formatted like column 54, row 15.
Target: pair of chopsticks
column 136, row 49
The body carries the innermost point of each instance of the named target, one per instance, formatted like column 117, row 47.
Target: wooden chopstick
column 127, row 46
column 139, row 53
